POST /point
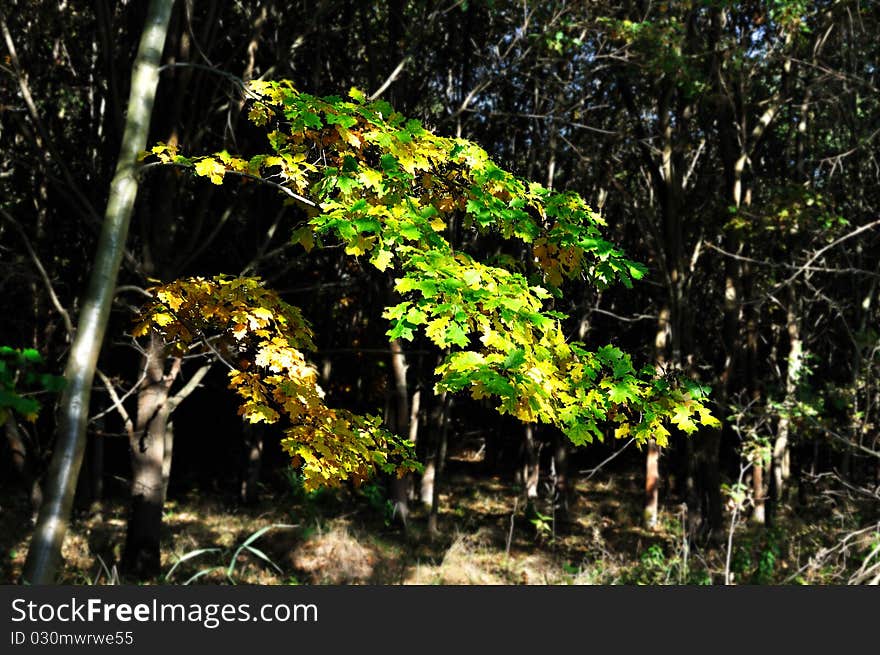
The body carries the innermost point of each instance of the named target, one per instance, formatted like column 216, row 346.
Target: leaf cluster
column 261, row 338
column 22, row 377
column 390, row 191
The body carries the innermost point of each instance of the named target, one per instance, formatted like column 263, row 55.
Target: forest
column 440, row 292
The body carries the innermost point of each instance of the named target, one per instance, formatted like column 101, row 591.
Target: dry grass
column 333, row 555
column 348, row 541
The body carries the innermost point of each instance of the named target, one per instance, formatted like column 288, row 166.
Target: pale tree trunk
column 652, row 484
column 45, row 548
column 759, row 514
column 652, row 460
column 406, row 425
column 531, row 465
column 168, row 449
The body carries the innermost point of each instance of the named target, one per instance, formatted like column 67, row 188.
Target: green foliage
column 756, row 558
column 376, row 495
column 22, row 377
column 388, row 190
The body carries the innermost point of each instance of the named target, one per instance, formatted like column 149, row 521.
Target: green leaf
column 515, row 359
column 455, row 334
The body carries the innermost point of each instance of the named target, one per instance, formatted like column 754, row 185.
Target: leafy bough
column 391, row 192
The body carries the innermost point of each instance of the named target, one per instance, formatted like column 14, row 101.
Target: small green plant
column 542, row 523
column 309, row 502
column 231, row 560
column 655, row 567
column 768, row 558
column 376, row 495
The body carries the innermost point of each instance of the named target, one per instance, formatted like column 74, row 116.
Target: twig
column 596, row 469
column 390, row 79
column 733, row 517
column 190, row 386
column 117, row 401
column 510, row 532
column 256, row 178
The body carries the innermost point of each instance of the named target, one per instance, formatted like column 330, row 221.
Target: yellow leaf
column 212, row 169
column 371, row 178
column 351, row 138
column 162, row 319
column 382, row 259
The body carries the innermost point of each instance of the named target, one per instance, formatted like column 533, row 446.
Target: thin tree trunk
column 45, row 548
column 759, row 515
column 253, row 455
column 561, row 485
column 652, row 460
column 652, row 484
column 531, row 465
column 781, row 455
column 439, row 462
column 436, row 423
column 401, row 487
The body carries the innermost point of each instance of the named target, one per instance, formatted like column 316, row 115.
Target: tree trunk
column 759, row 515
column 148, row 460
column 45, row 548
column 438, row 460
column 168, row 451
column 401, row 488
column 531, row 464
column 781, row 455
column 433, row 457
column 652, row 485
column 561, row 487
column 23, row 464
column 253, row 455
column 652, row 460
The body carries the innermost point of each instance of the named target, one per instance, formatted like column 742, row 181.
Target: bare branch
column 65, row 315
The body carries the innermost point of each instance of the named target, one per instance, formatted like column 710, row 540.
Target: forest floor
column 349, row 537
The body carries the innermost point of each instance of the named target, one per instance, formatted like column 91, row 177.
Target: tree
column 45, row 548
column 389, row 191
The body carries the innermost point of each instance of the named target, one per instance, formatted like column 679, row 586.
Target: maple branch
column 256, row 178
column 390, row 79
column 117, row 401
column 190, row 386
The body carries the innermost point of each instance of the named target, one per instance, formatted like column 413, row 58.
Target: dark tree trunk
column 562, row 490
column 252, row 460
column 148, row 461
column 440, row 428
